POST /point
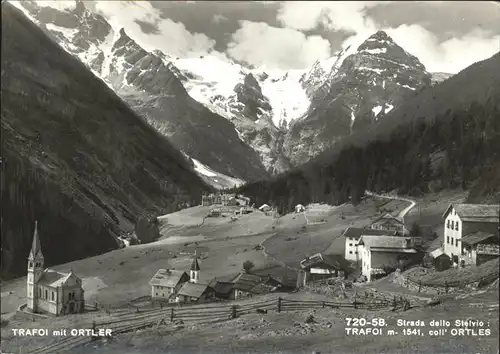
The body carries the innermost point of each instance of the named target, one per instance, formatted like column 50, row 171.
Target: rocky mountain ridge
column 368, row 84
column 148, row 82
column 269, row 120
column 75, row 157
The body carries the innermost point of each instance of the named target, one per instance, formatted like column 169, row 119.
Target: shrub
column 247, row 266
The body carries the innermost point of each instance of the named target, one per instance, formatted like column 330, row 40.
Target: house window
column 447, row 239
column 456, row 242
column 448, row 224
column 350, row 252
column 46, row 294
column 356, row 252
column 456, row 226
column 39, row 292
column 350, row 245
column 451, row 243
column 53, row 296
column 156, row 294
column 31, row 264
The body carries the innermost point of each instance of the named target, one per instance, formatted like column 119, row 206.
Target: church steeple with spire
column 194, row 273
column 35, row 269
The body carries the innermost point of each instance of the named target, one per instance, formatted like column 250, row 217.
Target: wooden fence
column 447, row 286
column 125, row 320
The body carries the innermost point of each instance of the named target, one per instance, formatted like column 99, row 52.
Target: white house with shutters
column 463, row 220
column 49, row 291
column 352, row 235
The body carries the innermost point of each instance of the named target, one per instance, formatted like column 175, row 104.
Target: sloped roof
column 308, row 261
column 36, row 246
column 356, row 232
column 261, row 289
column 390, row 217
column 53, row 278
column 222, row 287
column 193, row 289
column 436, row 253
column 476, row 237
column 475, row 212
column 167, row 277
column 246, row 282
column 394, row 242
column 334, row 260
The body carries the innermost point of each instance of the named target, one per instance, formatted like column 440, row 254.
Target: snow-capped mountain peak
column 285, row 116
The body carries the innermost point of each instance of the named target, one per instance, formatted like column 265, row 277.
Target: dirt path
column 403, row 212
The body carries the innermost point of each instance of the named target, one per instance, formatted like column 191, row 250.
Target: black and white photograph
column 278, row 177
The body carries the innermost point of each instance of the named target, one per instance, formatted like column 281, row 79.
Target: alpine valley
column 234, row 123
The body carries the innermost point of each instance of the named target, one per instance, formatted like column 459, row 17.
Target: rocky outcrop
column 250, row 95
column 74, row 156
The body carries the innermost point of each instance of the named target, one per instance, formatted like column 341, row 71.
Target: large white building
column 352, row 236
column 49, row 291
column 461, row 220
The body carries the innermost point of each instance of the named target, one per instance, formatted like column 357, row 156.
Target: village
column 360, row 255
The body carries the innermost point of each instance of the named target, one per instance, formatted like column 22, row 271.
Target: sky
column 447, row 36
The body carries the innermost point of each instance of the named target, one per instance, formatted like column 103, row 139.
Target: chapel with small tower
column 49, row 291
column 194, row 273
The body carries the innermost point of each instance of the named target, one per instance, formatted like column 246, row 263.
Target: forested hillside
column 445, row 137
column 74, row 156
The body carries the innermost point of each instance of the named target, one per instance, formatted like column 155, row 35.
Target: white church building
column 49, row 291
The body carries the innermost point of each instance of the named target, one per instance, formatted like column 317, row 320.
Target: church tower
column 35, row 270
column 194, row 273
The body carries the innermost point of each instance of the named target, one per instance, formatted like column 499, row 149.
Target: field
column 115, row 278
column 288, row 333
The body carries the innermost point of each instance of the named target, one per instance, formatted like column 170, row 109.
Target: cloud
column 170, row 37
column 451, row 55
column 258, row 44
column 339, row 15
column 217, row 18
column 59, row 5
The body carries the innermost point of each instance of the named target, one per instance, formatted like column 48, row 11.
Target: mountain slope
column 369, row 84
column 147, row 81
column 446, row 136
column 74, row 156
